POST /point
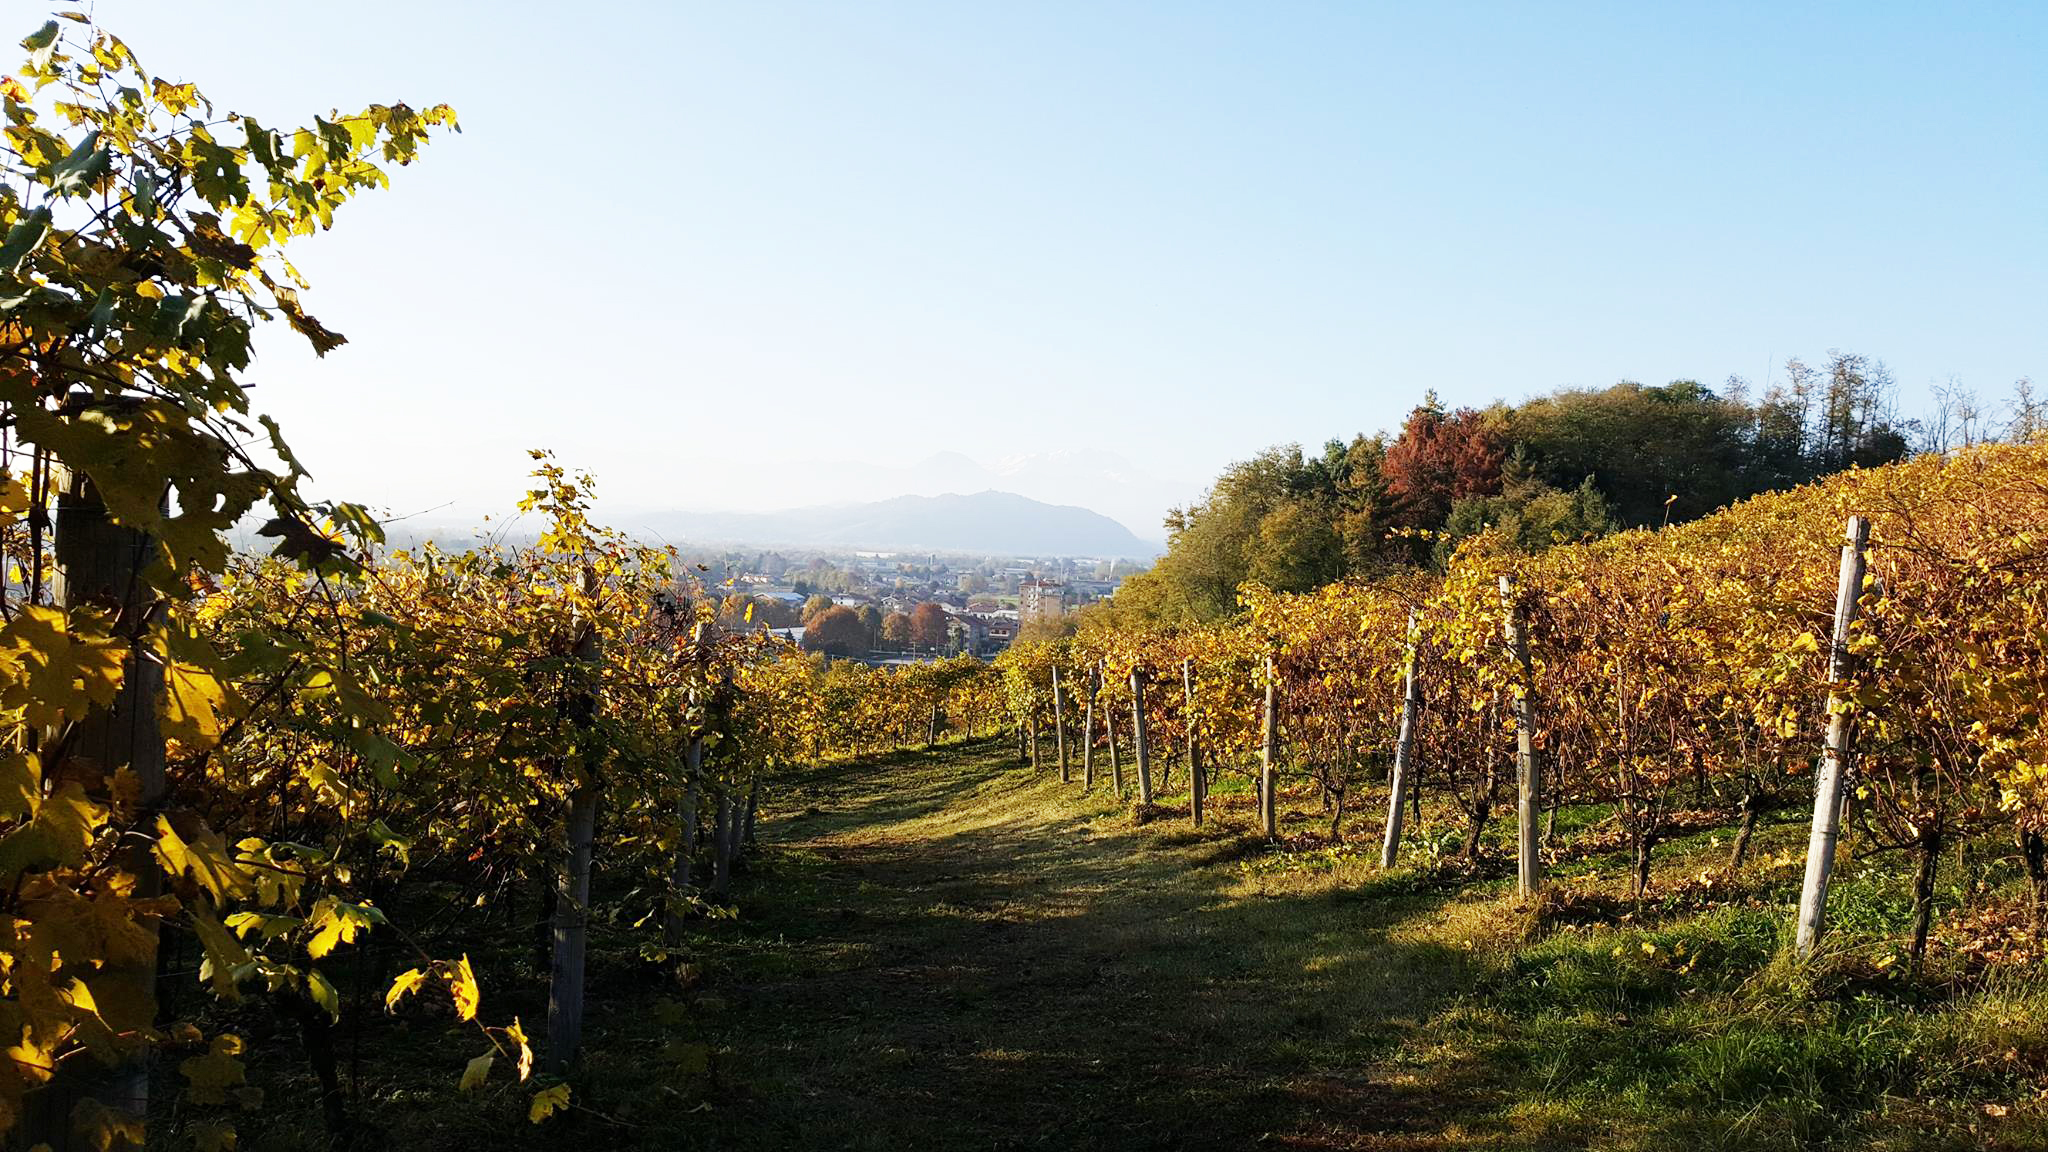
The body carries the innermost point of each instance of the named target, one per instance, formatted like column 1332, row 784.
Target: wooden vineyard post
column 686, row 846
column 1269, row 804
column 101, row 565
column 726, row 815
column 1827, row 792
column 1059, row 725
column 1528, row 782
column 1165, row 770
column 1141, row 751
column 753, row 805
column 572, row 896
column 931, row 732
column 1088, row 734
column 1034, row 739
column 1404, row 747
column 737, row 829
column 1116, row 768
column 1198, row 785
column 693, row 794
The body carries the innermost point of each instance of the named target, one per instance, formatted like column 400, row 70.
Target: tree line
column 1575, row 464
column 856, row 630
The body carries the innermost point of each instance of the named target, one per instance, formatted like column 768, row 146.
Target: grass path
column 946, row 951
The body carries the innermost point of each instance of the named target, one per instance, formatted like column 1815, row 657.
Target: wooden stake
column 1404, row 747
column 725, row 814
column 1269, row 805
column 1138, row 742
column 693, row 794
column 1116, row 768
column 753, row 805
column 1529, row 783
column 101, row 565
column 1059, row 725
column 1827, row 792
column 1088, row 736
column 1198, row 785
column 686, row 846
column 572, row 898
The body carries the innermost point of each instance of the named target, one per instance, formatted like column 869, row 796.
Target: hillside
column 985, row 522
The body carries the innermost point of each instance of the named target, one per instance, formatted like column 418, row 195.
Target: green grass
column 944, row 950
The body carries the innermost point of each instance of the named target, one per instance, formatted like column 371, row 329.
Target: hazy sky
column 719, row 253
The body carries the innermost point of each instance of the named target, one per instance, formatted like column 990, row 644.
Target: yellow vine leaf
column 517, row 1035
column 407, row 983
column 224, row 953
column 14, row 496
column 21, row 784
column 67, row 924
column 211, row 1075
column 196, row 706
column 322, row 993
column 547, row 1102
column 55, row 664
column 57, row 836
column 462, row 984
column 102, row 1127
column 205, row 858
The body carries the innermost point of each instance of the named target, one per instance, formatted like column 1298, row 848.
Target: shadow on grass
column 982, row 959
column 946, row 949
column 884, row 790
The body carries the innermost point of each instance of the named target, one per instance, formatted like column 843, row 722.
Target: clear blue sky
column 712, row 250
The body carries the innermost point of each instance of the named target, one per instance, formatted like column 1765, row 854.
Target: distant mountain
column 1096, row 479
column 986, row 522
column 1102, row 481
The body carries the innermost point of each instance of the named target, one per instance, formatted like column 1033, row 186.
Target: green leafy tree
column 1641, row 446
column 1211, row 544
column 1296, row 548
column 1530, row 513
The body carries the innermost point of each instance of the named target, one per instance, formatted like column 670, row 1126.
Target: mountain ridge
column 985, row 522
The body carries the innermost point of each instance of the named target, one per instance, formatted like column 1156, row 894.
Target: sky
column 755, row 255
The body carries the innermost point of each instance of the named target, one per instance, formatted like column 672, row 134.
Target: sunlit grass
column 947, row 950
